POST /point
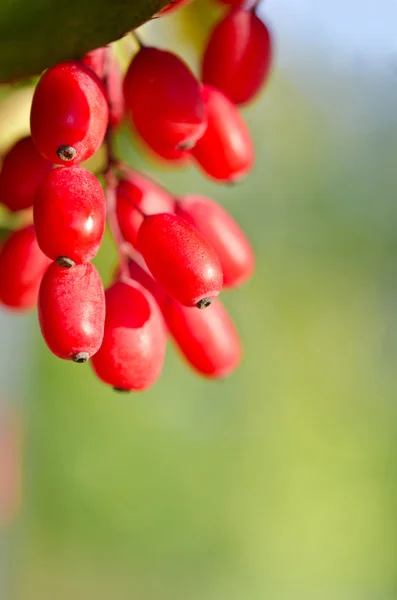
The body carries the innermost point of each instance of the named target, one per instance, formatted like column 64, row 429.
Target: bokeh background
column 281, row 482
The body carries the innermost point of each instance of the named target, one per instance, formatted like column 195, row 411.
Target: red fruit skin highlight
column 223, row 233
column 69, row 108
column 22, row 266
column 132, row 353
column 238, row 56
column 180, row 258
column 96, row 59
column 207, row 338
column 72, row 310
column 164, row 99
column 69, row 214
column 138, row 191
column 22, row 171
column 225, row 152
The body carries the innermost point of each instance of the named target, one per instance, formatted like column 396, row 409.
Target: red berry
column 22, row 171
column 175, row 5
column 180, row 259
column 207, row 338
column 72, row 311
column 138, row 191
column 223, row 233
column 133, row 349
column 96, row 59
column 114, row 92
column 225, row 152
column 238, row 56
column 69, row 215
column 22, row 265
column 69, row 114
column 164, row 99
column 140, row 274
column 159, row 150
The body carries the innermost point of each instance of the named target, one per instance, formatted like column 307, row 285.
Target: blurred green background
column 281, row 482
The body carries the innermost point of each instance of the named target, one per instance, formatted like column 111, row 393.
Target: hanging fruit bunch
column 175, row 254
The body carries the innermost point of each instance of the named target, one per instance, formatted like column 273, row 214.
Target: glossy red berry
column 69, row 215
column 172, row 6
column 22, row 266
column 180, row 259
column 72, row 311
column 225, row 152
column 207, row 338
column 114, row 92
column 172, row 156
column 96, row 59
column 223, row 233
column 136, row 194
column 132, row 353
column 140, row 273
column 69, row 114
column 22, row 171
column 164, row 99
column 237, row 59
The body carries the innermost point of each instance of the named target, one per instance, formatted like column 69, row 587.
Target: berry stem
column 111, row 186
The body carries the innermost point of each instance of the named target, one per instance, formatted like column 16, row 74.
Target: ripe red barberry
column 132, row 353
column 69, row 215
column 172, row 6
column 22, row 266
column 223, row 233
column 72, row 311
column 207, row 338
column 237, row 59
column 69, row 114
column 158, row 149
column 22, row 171
column 96, row 59
column 135, row 195
column 225, row 152
column 180, row 259
column 164, row 99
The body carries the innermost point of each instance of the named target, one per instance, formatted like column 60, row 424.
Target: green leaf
column 36, row 34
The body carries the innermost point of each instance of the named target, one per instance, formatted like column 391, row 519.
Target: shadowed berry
column 22, row 266
column 223, row 233
column 132, row 353
column 22, row 171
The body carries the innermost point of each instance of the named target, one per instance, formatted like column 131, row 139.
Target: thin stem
column 137, row 38
column 111, row 187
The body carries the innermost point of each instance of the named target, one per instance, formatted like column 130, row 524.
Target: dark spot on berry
column 121, row 390
column 65, row 262
column 204, row 303
column 66, row 153
column 81, row 357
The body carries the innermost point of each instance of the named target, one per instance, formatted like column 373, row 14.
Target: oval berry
column 223, row 233
column 69, row 215
column 136, row 194
column 69, row 114
column 72, row 311
column 207, row 338
column 158, row 149
column 164, row 99
column 22, row 171
column 237, row 59
column 225, row 152
column 132, row 353
column 180, row 259
column 22, row 266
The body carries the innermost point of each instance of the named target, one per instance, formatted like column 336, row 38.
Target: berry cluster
column 175, row 255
